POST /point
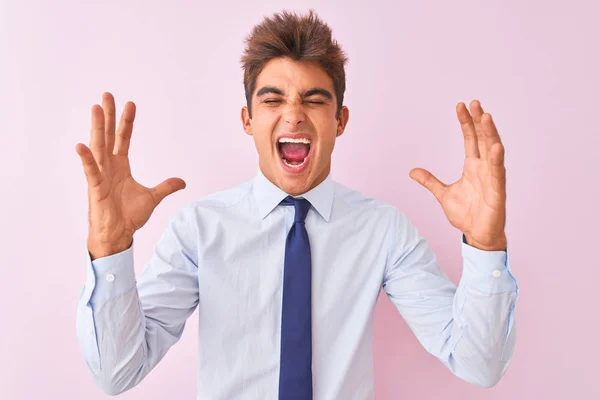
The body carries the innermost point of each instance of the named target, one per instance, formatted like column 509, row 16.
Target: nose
column 294, row 115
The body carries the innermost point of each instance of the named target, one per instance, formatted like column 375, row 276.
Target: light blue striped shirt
column 224, row 254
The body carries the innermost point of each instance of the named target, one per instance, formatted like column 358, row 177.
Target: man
column 286, row 268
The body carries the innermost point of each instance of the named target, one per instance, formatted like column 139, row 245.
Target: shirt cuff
column 110, row 276
column 487, row 270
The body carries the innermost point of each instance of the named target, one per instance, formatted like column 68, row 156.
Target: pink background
column 533, row 64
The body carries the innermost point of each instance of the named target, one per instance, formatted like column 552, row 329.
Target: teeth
column 290, row 140
column 294, row 166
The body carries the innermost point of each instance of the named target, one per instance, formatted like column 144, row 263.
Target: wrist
column 99, row 249
column 499, row 244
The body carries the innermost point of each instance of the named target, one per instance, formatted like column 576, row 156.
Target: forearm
column 471, row 332
column 116, row 354
column 126, row 327
column 111, row 325
column 483, row 317
column 483, row 336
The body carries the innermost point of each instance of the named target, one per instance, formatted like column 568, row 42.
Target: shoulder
column 225, row 198
column 354, row 199
column 388, row 215
column 218, row 201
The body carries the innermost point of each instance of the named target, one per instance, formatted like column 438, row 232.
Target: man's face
column 294, row 123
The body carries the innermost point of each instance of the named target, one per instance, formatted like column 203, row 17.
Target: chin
column 293, row 181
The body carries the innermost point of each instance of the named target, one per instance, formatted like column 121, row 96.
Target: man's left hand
column 476, row 203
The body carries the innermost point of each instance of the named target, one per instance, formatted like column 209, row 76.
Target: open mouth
column 294, row 152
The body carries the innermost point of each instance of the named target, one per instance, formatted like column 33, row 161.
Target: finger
column 430, row 182
column 491, row 132
column 468, row 129
column 123, row 134
column 477, row 112
column 97, row 142
column 166, row 188
column 108, row 105
column 497, row 168
column 90, row 167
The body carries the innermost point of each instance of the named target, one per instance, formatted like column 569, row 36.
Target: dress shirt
column 224, row 254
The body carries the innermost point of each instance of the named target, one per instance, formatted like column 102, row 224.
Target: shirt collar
column 268, row 195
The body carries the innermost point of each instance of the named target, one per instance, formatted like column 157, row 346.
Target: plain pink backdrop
column 533, row 64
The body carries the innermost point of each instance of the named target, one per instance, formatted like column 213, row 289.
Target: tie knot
column 301, row 207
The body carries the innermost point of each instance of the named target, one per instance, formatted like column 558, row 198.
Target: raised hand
column 118, row 205
column 476, row 203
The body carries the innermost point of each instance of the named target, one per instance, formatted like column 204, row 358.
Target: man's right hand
column 118, row 205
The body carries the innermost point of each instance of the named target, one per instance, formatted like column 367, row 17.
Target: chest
column 241, row 261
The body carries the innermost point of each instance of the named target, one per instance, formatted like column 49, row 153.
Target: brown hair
column 301, row 38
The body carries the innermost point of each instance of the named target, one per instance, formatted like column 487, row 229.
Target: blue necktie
column 295, row 375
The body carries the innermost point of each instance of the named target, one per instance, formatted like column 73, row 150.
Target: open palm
column 118, row 205
column 476, row 203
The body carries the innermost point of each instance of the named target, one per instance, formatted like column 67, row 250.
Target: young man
column 286, row 268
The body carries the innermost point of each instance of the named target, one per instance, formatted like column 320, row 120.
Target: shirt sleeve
column 469, row 328
column 124, row 326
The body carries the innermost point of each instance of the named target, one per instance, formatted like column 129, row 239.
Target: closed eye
column 276, row 101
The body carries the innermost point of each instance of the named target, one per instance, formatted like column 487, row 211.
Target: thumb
column 167, row 187
column 430, row 182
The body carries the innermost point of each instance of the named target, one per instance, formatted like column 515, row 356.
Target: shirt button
column 110, row 277
column 496, row 273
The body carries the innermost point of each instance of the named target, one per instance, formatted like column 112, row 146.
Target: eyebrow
column 311, row 92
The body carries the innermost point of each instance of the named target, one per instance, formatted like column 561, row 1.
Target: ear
column 342, row 121
column 246, row 120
